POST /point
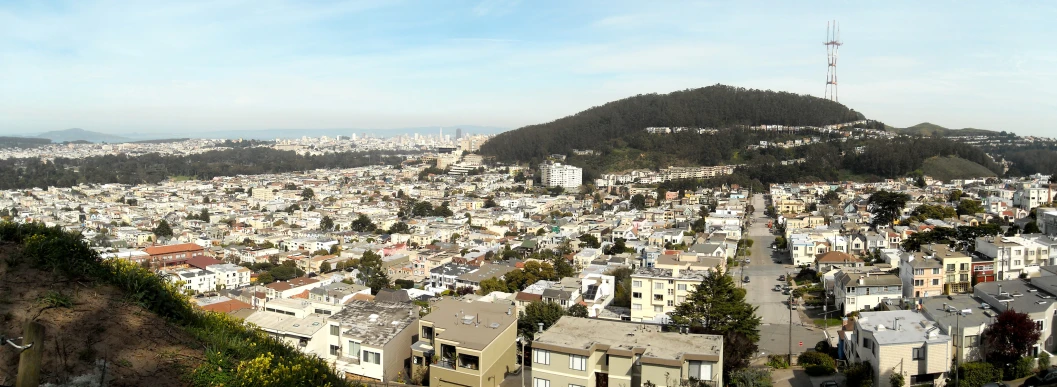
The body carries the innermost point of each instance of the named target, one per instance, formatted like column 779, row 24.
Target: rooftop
column 900, row 327
column 1020, row 295
column 473, row 325
column 945, row 310
column 287, row 325
column 582, row 333
column 375, row 323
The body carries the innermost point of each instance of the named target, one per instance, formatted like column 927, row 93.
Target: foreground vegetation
column 235, row 355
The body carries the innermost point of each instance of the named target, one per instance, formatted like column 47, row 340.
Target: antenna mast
column 832, row 43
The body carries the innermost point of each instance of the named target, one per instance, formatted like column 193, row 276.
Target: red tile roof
column 203, row 261
column 169, row 249
column 227, row 306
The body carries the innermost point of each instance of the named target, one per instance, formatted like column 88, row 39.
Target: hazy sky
column 145, row 66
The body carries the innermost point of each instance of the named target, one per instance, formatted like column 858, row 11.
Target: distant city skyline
column 193, row 67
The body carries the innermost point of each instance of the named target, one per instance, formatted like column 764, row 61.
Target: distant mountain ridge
column 78, row 134
column 929, row 129
column 717, row 106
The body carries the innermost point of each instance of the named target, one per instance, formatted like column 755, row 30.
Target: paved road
column 763, row 271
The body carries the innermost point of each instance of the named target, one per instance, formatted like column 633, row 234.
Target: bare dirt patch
column 89, row 328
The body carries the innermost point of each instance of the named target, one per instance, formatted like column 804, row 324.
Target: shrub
column 897, row 380
column 1021, row 369
column 859, row 375
column 815, row 358
column 819, row 370
column 977, row 374
column 777, row 362
column 1044, row 362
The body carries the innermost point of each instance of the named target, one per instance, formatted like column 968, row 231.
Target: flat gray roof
column 286, row 324
column 375, row 323
column 912, row 327
column 471, row 324
column 582, row 333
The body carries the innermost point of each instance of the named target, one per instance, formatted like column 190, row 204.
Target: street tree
column 308, row 193
column 590, row 241
column 717, row 306
column 362, row 223
column 400, row 228
column 1010, row 337
column 324, row 267
column 327, row 223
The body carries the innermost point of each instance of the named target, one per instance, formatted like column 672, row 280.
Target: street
column 763, row 274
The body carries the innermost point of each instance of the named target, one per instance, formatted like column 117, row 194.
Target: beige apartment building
column 657, row 291
column 466, row 344
column 578, row 352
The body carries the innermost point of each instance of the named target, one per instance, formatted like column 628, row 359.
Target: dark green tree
column 577, row 310
column 326, row 223
column 163, row 229
column 718, row 306
column 638, row 202
column 544, row 312
column 590, row 241
column 371, row 273
column 308, row 194
column 1032, row 228
column 362, row 224
column 400, row 228
column 969, row 207
column 324, row 267
column 886, row 206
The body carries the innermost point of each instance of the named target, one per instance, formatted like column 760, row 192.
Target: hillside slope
column 87, row 328
column 928, row 129
column 953, row 167
column 716, row 106
column 78, row 134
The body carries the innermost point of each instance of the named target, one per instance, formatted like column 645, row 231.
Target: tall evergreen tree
column 717, row 306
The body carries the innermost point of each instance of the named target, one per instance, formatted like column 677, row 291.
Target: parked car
column 746, row 279
column 781, row 277
column 829, row 383
column 1047, row 379
column 777, row 288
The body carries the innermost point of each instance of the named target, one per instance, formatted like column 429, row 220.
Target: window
column 335, row 350
column 354, row 349
column 636, row 294
column 671, row 292
column 671, row 303
column 658, row 297
column 541, row 356
column 950, row 267
column 700, row 370
column 935, row 271
column 335, row 330
column 918, row 353
column 537, row 382
column 1040, row 324
column 658, row 285
column 680, row 286
column 919, row 282
column 658, row 308
column 637, row 284
column 681, row 299
column 1016, row 262
column 577, row 362
column 371, row 357
column 919, row 271
column 636, row 306
column 935, row 282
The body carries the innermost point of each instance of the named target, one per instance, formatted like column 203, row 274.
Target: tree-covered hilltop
column 716, row 106
column 153, row 168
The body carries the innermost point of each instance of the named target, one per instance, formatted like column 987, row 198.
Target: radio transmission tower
column 832, row 44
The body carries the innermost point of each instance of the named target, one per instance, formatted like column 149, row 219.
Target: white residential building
column 558, row 175
column 194, row 280
column 230, row 276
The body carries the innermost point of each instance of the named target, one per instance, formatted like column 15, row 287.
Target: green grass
column 55, row 299
column 952, row 167
column 181, row 178
column 833, row 322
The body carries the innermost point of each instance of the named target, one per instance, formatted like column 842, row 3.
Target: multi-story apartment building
column 900, row 341
column 1046, row 219
column 194, row 280
column 957, row 268
column 922, row 275
column 856, row 292
column 230, row 276
column 1013, row 255
column 372, row 340
column 558, row 175
column 962, row 317
column 597, row 353
column 466, row 344
column 657, row 291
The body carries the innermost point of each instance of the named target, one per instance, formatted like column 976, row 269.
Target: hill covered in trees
column 620, row 123
column 153, row 168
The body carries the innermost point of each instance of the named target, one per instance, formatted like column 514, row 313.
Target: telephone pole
column 789, row 359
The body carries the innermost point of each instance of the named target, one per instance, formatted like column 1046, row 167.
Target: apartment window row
column 371, row 357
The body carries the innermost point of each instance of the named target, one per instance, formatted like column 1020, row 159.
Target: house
column 193, row 280
column 598, row 353
column 657, row 291
column 476, row 347
column 856, row 292
column 170, row 255
column 230, row 276
column 957, row 268
column 287, row 289
column 901, row 341
column 921, row 275
column 1034, row 297
column 372, row 340
column 302, row 331
column 836, row 260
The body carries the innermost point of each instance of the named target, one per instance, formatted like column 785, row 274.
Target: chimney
column 862, row 281
column 540, row 327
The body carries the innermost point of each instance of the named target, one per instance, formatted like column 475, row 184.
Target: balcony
column 445, row 363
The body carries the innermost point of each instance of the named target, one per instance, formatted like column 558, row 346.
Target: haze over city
column 150, row 67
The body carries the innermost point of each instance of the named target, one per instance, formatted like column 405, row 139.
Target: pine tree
column 717, row 306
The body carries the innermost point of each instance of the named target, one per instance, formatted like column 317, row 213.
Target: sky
column 181, row 67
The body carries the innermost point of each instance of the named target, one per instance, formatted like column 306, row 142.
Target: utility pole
column 957, row 331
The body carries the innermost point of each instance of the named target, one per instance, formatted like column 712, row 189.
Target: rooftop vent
column 493, row 325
